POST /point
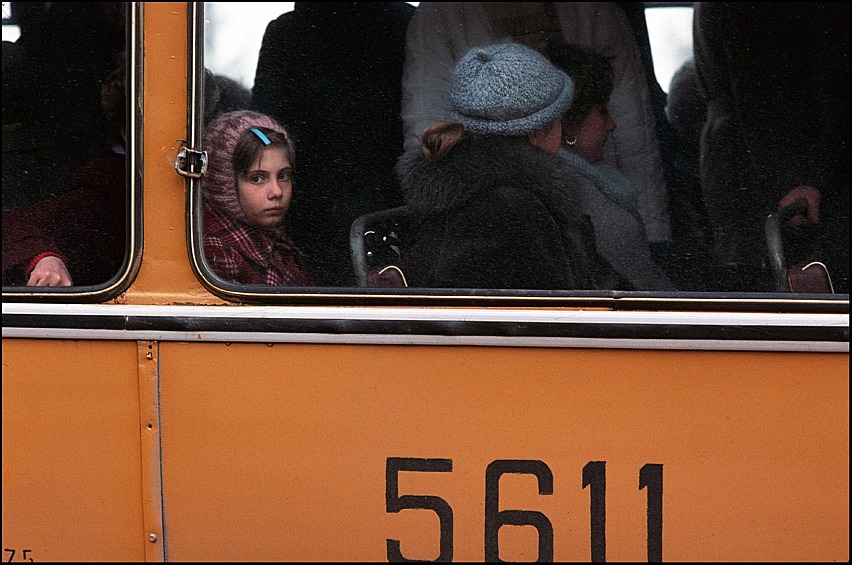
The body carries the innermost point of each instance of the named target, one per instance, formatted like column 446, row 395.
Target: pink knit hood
column 219, row 185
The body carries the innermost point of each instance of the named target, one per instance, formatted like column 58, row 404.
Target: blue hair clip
column 260, row 135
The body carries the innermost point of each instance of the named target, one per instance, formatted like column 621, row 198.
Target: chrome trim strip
column 380, row 313
column 389, row 339
column 431, row 326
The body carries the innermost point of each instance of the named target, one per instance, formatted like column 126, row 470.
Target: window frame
column 123, row 279
column 420, row 297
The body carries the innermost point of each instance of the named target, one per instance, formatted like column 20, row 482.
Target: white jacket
column 440, row 33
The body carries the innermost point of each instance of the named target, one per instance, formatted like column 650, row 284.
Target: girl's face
column 266, row 188
column 592, row 134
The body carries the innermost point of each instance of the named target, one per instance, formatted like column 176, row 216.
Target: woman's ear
column 547, row 138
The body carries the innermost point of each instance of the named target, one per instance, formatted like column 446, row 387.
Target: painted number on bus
column 24, row 554
column 593, row 476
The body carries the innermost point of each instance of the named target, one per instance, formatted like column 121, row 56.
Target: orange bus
column 165, row 414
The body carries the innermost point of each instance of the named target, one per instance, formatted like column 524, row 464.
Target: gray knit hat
column 507, row 89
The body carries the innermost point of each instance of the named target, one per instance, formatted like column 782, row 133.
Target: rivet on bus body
column 152, row 537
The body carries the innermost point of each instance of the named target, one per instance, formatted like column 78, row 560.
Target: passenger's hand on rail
column 810, row 215
column 50, row 271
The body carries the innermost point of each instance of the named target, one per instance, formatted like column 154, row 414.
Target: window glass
column 327, row 76
column 11, row 32
column 775, row 140
column 65, row 189
column 338, row 190
column 670, row 33
column 227, row 25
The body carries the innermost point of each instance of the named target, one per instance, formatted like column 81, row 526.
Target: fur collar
column 478, row 164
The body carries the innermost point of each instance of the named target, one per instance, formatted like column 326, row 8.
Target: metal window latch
column 191, row 163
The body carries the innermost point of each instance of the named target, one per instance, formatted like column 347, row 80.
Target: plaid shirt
column 243, row 255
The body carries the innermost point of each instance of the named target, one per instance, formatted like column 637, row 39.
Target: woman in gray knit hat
column 492, row 203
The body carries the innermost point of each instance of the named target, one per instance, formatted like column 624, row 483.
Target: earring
column 570, row 142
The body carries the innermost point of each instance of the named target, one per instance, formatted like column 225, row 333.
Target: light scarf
column 607, row 178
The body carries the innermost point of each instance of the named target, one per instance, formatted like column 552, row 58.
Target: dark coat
column 331, row 74
column 776, row 79
column 86, row 225
column 497, row 213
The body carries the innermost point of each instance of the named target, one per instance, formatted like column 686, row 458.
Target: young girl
column 247, row 191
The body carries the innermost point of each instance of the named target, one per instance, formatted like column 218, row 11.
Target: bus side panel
column 71, row 451
column 306, row 452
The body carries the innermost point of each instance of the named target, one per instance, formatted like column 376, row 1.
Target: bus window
column 67, row 133
column 11, row 32
column 775, row 137
column 332, row 191
column 670, row 35
column 296, row 63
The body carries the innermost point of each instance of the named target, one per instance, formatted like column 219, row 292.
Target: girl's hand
column 811, row 196
column 50, row 271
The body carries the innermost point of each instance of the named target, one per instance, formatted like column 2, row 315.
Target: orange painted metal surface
column 72, row 480
column 148, row 357
column 165, row 276
column 279, row 452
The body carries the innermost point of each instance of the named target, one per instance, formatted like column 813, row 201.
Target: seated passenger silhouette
column 79, row 236
column 493, row 206
column 610, row 201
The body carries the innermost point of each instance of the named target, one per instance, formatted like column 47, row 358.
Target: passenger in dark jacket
column 331, row 73
column 79, row 236
column 493, row 205
column 76, row 238
column 776, row 81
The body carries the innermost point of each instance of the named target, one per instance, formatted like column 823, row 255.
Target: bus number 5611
column 594, row 477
